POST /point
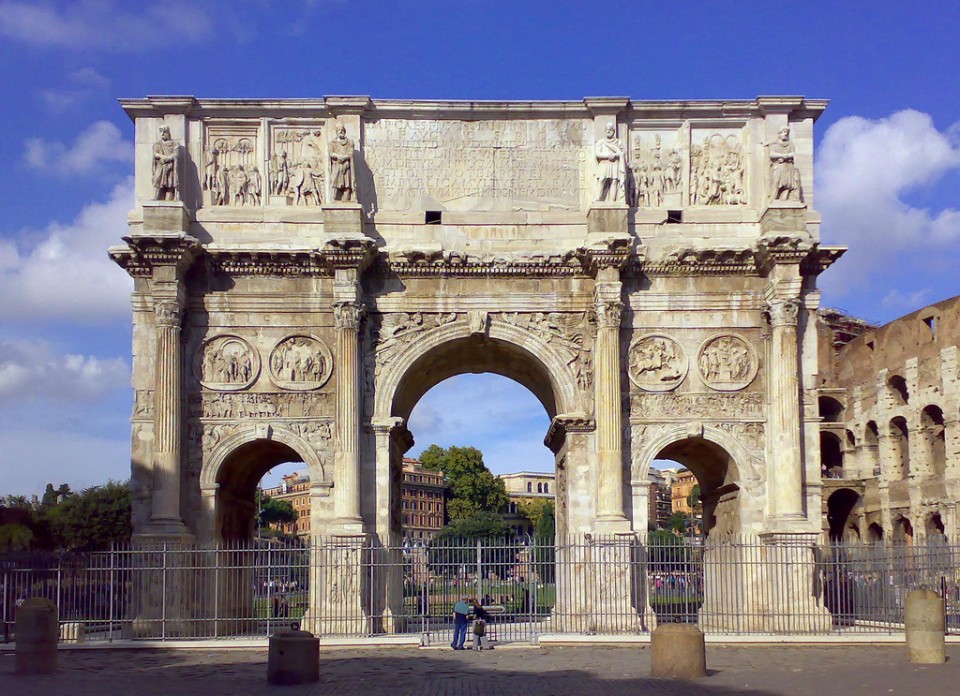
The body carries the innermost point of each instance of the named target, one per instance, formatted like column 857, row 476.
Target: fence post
column 110, row 598
column 163, row 593
column 216, row 590
column 479, row 568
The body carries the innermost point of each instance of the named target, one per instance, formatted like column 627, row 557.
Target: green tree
column 533, row 508
column 544, row 544
column 455, row 546
column 678, row 522
column 276, row 512
column 471, row 488
column 93, row 519
column 15, row 537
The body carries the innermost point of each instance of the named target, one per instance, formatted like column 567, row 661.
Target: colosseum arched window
column 900, row 446
column 933, row 440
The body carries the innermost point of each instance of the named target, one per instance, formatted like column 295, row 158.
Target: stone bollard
column 294, row 658
column 677, row 652
column 925, row 628
column 37, row 630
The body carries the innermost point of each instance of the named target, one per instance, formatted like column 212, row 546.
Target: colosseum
column 890, row 426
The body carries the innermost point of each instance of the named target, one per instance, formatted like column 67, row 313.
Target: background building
column 660, row 500
column 525, row 485
column 422, row 502
column 889, row 420
column 294, row 489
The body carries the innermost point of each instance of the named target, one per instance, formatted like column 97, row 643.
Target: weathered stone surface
column 923, row 617
column 37, row 631
column 677, row 651
column 647, row 269
column 293, row 658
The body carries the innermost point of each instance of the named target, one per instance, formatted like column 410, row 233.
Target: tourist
column 480, row 640
column 461, row 619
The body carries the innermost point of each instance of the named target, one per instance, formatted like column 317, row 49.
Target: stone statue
column 166, row 167
column 211, row 171
column 281, row 174
column 784, row 175
column 611, row 166
column 341, row 166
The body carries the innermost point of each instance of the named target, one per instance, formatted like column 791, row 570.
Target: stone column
column 165, row 516
column 787, row 493
column 347, row 316
column 606, row 359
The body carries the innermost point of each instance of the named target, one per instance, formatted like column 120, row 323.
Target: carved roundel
column 301, row 363
column 727, row 362
column 226, row 363
column 656, row 363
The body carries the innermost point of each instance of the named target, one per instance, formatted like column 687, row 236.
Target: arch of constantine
column 305, row 270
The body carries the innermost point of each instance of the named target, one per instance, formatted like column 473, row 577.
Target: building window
column 546, row 488
column 529, row 487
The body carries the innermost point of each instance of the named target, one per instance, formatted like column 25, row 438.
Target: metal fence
column 586, row 584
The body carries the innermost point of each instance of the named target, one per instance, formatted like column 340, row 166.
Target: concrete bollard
column 294, row 658
column 677, row 652
column 37, row 629
column 925, row 628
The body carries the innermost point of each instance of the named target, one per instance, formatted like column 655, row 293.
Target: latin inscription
column 536, row 160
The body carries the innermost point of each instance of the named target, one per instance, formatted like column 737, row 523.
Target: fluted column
column 608, row 402
column 787, row 491
column 167, row 417
column 347, row 483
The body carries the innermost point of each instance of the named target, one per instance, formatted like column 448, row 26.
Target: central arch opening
column 471, row 397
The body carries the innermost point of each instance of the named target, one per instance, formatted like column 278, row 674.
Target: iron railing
column 577, row 584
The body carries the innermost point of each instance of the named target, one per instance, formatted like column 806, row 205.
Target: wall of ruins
column 894, row 427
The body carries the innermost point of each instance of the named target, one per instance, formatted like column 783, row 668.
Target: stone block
column 37, row 631
column 294, row 658
column 925, row 628
column 165, row 218
column 343, row 220
column 677, row 651
column 607, row 219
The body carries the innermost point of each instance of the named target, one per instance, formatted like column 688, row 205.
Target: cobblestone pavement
column 554, row 671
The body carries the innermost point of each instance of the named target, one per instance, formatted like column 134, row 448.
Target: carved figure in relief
column 255, row 186
column 281, row 174
column 653, row 177
column 211, row 171
column 239, row 188
column 341, row 166
column 726, row 362
column 611, row 166
column 300, row 360
column 784, row 175
column 565, row 333
column 222, row 192
column 656, row 362
column 228, row 361
column 166, row 167
column 717, row 172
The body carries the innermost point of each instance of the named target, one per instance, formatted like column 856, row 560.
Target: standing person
column 480, row 640
column 461, row 619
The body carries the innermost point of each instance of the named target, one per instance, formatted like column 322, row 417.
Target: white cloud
column 81, row 84
column 101, row 143
column 905, row 301
column 104, row 24
column 865, row 170
column 32, row 371
column 67, row 275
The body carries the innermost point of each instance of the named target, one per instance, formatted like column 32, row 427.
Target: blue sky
column 888, row 159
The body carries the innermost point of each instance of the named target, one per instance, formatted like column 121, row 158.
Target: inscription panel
column 461, row 163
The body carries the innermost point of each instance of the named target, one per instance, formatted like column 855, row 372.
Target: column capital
column 156, row 255
column 608, row 313
column 168, row 312
column 783, row 311
column 347, row 315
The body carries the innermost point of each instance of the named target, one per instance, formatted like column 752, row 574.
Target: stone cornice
column 268, row 262
column 349, row 253
column 567, row 423
column 820, row 259
column 782, row 249
column 445, row 264
column 326, row 107
column 613, row 252
column 695, row 262
column 143, row 253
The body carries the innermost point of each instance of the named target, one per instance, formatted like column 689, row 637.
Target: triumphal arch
column 306, row 269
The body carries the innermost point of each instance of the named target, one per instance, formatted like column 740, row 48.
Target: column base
column 612, row 524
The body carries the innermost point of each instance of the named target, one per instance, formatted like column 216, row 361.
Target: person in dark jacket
column 482, row 616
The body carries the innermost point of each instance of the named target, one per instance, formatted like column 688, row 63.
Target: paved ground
column 747, row 671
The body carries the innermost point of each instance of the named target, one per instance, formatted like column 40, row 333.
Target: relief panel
column 301, row 363
column 657, row 164
column 296, row 165
column 226, row 363
column 656, row 363
column 717, row 167
column 231, row 176
column 727, row 362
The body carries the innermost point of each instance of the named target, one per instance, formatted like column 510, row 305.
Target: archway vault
column 245, row 441
column 454, row 349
